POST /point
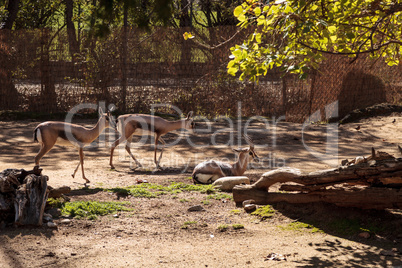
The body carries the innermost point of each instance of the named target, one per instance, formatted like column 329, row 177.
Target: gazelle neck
column 94, row 132
column 241, row 165
column 174, row 125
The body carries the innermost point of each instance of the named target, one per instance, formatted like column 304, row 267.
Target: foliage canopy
column 295, row 35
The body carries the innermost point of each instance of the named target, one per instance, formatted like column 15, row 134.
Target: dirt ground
column 152, row 235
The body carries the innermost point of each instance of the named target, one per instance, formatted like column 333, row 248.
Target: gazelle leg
column 75, row 170
column 163, row 147
column 128, row 149
column 82, row 165
column 43, row 150
column 114, row 145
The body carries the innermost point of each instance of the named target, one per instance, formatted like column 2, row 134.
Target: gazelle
column 50, row 133
column 209, row 171
column 129, row 124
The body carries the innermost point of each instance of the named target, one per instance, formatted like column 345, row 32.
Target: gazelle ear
column 189, row 115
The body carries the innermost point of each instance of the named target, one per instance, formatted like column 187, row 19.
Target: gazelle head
column 189, row 122
column 250, row 151
column 106, row 119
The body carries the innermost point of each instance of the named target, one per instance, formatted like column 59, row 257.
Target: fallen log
column 369, row 198
column 390, row 169
column 378, row 176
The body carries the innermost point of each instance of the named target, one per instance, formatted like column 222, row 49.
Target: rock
column 54, row 212
column 359, row 159
column 58, row 192
column 47, row 217
column 51, row 224
column 276, row 257
column 196, row 208
column 65, row 221
column 227, row 183
column 364, row 235
column 249, row 201
column 250, row 208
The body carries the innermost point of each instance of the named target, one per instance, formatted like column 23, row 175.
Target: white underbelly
column 207, row 178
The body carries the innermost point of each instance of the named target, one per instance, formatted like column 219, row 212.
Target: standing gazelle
column 49, row 133
column 128, row 124
column 209, row 171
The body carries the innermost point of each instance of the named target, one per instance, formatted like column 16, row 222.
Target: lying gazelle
column 209, row 171
column 129, row 124
column 49, row 133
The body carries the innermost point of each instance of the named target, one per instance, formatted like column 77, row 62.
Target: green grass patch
column 92, row 209
column 188, row 224
column 220, row 196
column 264, row 212
column 299, row 226
column 151, row 190
column 55, row 203
column 235, row 211
column 205, row 189
column 223, row 227
column 237, row 226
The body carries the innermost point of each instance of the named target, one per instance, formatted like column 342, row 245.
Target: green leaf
column 241, row 18
column 261, row 20
column 288, row 9
column 332, row 29
column 237, row 11
column 257, row 11
column 258, row 37
column 232, row 71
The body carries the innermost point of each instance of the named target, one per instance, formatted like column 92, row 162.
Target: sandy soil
column 152, row 235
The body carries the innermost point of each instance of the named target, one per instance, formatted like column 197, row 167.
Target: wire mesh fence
column 133, row 69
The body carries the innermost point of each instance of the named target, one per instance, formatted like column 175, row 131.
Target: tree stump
column 30, row 200
column 23, row 196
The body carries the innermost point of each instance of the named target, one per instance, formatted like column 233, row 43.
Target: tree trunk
column 8, row 93
column 72, row 38
column 185, row 25
column 9, row 97
column 124, row 60
column 12, row 8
